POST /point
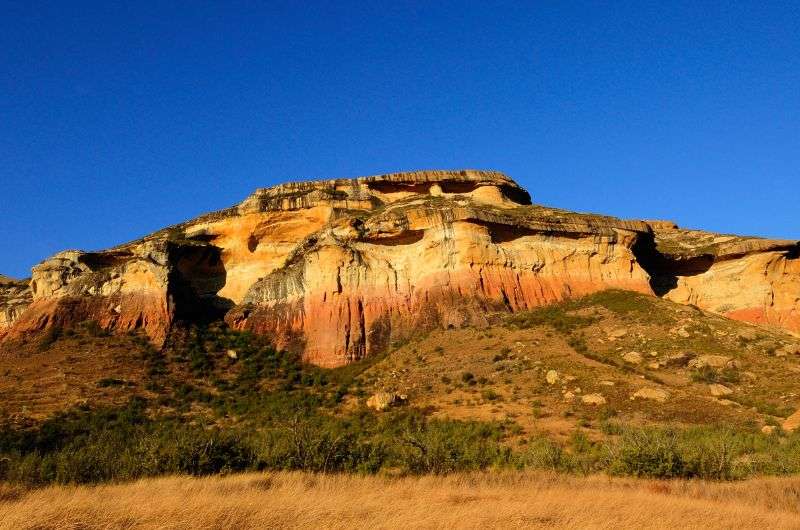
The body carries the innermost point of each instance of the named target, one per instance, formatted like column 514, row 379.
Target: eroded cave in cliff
column 195, row 282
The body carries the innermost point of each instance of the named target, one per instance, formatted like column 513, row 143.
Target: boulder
column 617, row 334
column 718, row 390
column 651, row 393
column 381, row 401
column 792, row 422
column 593, row 399
column 788, row 349
column 712, row 361
column 633, row 357
column 677, row 359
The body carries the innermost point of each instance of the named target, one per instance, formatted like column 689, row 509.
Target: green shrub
column 650, row 453
column 708, row 374
column 543, row 453
column 555, row 316
column 490, row 395
column 441, row 447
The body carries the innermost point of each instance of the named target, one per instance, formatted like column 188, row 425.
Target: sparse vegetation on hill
column 615, row 382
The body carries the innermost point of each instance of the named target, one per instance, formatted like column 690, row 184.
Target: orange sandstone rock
column 338, row 269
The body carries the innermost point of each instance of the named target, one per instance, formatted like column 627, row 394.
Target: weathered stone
column 381, row 401
column 593, row 399
column 792, row 422
column 653, row 394
column 718, row 390
column 551, row 377
column 788, row 349
column 745, row 278
column 15, row 297
column 617, row 334
column 712, row 361
column 632, row 357
column 677, row 359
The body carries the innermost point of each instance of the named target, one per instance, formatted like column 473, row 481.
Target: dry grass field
column 489, row 500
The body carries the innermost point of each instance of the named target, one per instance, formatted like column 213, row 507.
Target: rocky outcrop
column 745, row 278
column 428, row 261
column 15, row 297
column 338, row 269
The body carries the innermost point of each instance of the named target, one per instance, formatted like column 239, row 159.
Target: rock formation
column 745, row 278
column 15, row 296
column 338, row 269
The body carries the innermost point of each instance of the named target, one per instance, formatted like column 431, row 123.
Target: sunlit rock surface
column 338, row 269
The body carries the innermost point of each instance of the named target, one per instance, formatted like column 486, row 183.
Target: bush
column 650, row 453
column 441, row 447
column 490, row 395
column 542, row 453
column 711, row 454
column 708, row 374
column 555, row 316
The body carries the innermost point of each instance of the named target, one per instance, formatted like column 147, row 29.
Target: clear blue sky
column 118, row 120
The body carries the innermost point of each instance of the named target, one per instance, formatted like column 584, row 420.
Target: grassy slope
column 584, row 342
column 264, row 409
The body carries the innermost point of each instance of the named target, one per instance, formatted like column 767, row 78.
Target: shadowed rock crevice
column 500, row 233
column 516, row 194
column 405, row 238
column 665, row 270
column 197, row 277
column 104, row 260
column 399, row 187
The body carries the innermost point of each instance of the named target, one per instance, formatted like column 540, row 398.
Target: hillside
column 553, row 369
column 566, row 387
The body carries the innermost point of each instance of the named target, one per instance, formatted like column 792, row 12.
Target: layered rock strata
column 750, row 279
column 338, row 269
column 15, row 297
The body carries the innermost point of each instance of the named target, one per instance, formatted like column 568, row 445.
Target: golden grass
column 492, row 500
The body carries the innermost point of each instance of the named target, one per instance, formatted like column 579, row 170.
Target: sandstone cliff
column 751, row 279
column 15, row 296
column 338, row 268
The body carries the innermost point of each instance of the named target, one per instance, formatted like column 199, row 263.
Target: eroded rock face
column 338, row 269
column 427, row 260
column 15, row 297
column 750, row 279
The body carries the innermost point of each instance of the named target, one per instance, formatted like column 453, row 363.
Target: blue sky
column 116, row 120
